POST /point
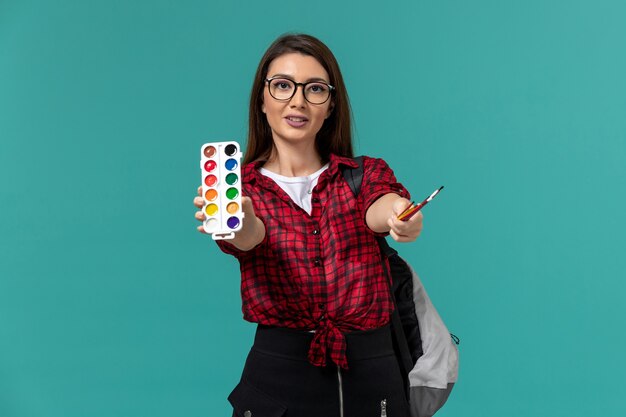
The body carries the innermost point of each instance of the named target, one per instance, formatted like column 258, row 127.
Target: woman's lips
column 295, row 121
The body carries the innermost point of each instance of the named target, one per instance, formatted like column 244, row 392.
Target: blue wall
column 111, row 304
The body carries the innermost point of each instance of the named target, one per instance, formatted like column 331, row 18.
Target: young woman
column 312, row 275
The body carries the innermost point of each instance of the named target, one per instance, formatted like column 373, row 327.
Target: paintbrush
column 412, row 209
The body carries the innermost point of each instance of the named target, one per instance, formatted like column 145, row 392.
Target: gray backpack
column 426, row 350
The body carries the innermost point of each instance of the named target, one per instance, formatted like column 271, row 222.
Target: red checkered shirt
column 323, row 271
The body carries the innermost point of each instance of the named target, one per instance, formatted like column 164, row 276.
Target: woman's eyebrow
column 291, row 78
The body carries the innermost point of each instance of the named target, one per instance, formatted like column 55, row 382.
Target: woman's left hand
column 404, row 231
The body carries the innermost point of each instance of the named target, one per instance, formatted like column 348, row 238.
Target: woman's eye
column 282, row 85
column 317, row 88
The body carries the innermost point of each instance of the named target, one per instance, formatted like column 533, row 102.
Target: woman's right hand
column 199, row 202
column 252, row 230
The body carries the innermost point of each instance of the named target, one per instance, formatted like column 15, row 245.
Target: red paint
column 210, row 165
column 210, row 180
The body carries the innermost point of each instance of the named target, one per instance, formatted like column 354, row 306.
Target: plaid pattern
column 321, row 272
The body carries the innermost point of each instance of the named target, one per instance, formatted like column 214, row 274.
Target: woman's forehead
column 297, row 65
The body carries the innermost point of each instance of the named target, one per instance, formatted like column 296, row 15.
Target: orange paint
column 232, row 208
column 210, row 180
column 211, row 194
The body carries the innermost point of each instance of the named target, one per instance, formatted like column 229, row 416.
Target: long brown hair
column 335, row 136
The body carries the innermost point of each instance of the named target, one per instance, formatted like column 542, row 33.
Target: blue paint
column 231, row 164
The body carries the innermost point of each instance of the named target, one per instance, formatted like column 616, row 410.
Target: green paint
column 232, row 193
column 231, row 179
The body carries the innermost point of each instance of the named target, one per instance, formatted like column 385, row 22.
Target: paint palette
column 221, row 188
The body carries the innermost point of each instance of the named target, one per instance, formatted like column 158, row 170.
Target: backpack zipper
column 340, row 391
column 383, row 408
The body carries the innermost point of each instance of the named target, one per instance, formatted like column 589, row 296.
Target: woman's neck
column 294, row 161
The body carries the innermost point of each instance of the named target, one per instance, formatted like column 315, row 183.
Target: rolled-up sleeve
column 378, row 180
column 231, row 249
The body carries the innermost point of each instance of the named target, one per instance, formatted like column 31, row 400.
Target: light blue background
column 111, row 304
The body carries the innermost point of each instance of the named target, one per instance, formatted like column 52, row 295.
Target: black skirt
column 278, row 380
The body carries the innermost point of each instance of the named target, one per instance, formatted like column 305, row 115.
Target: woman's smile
column 296, row 120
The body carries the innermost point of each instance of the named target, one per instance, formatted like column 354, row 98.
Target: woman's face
column 295, row 120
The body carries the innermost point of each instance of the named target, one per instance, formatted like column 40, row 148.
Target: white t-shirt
column 298, row 188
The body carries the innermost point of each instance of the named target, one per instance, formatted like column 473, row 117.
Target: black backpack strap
column 354, row 178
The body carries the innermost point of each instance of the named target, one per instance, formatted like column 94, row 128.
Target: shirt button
column 321, row 306
column 315, row 200
column 317, row 261
column 247, row 413
column 316, row 232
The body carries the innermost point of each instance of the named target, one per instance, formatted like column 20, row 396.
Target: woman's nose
column 298, row 98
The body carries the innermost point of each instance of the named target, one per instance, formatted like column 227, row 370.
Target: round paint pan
column 230, row 150
column 232, row 193
column 233, row 222
column 211, row 209
column 231, row 164
column 232, row 179
column 210, row 180
column 211, row 225
column 232, row 208
column 211, row 194
column 210, row 151
column 210, row 165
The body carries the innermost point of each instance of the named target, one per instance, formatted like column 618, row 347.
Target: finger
column 397, row 231
column 200, row 216
column 246, row 206
column 414, row 224
column 409, row 226
column 200, row 190
column 399, row 226
column 400, row 238
column 403, row 236
column 402, row 230
column 411, row 235
column 198, row 202
column 201, row 230
column 417, row 218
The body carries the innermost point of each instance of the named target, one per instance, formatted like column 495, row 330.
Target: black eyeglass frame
column 330, row 88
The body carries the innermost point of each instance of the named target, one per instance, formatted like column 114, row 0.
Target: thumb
column 247, row 207
column 400, row 205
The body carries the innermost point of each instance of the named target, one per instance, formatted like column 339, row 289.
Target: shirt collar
column 336, row 161
column 251, row 172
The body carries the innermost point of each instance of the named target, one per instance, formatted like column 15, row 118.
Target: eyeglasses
column 283, row 89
